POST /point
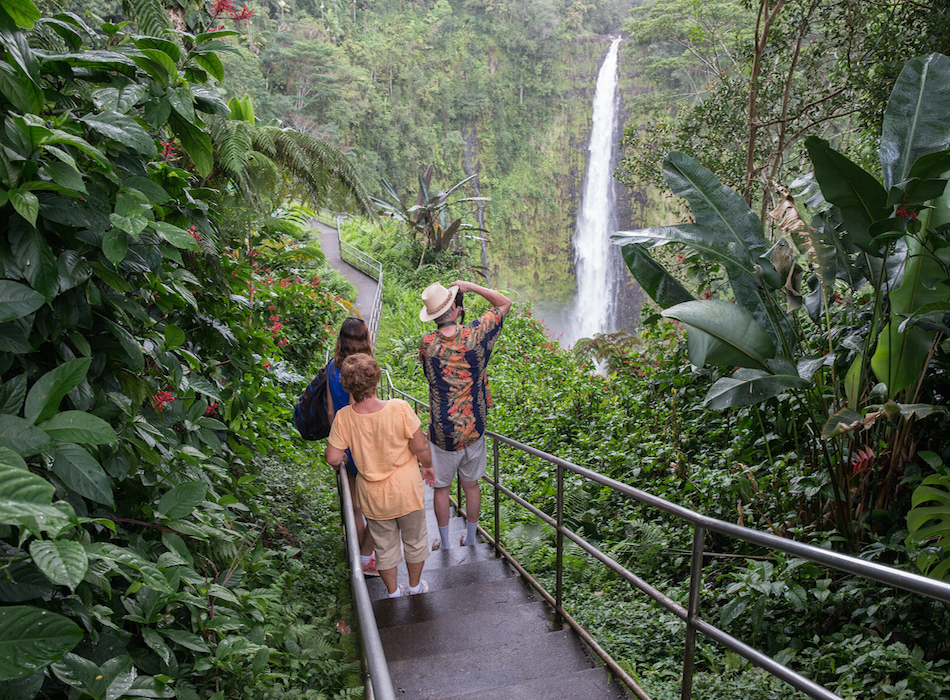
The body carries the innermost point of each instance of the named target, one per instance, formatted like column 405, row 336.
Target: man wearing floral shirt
column 454, row 358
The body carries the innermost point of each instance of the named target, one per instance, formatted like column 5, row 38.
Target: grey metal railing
column 931, row 588
column 372, row 267
column 378, row 682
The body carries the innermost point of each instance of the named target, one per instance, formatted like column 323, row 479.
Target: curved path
column 365, row 285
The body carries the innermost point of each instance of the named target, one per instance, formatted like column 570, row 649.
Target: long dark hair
column 353, row 339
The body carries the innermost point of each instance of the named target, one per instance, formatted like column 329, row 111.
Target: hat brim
column 424, row 314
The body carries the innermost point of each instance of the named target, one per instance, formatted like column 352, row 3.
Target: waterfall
column 594, row 308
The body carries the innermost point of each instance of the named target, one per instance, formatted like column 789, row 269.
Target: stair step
column 461, row 600
column 592, row 684
column 442, row 578
column 493, row 626
column 548, row 656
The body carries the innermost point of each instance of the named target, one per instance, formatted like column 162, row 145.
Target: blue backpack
column 310, row 413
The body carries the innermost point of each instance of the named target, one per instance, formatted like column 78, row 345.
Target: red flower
column 222, row 7
column 193, row 230
column 906, row 213
column 169, row 150
column 212, row 409
column 242, row 15
column 161, row 399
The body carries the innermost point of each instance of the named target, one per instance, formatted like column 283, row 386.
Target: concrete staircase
column 480, row 633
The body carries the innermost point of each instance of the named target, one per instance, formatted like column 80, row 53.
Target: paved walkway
column 365, row 285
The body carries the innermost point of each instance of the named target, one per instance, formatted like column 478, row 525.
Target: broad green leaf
column 155, row 642
column 731, row 610
column 26, row 204
column 115, row 242
column 37, row 518
column 119, row 99
column 915, row 121
column 842, row 422
column 157, row 44
column 860, row 198
column 19, row 89
column 20, row 486
column 130, row 345
column 17, row 300
column 110, row 681
column 154, row 193
column 151, row 575
column 72, row 269
column 195, row 142
column 23, row 12
column 25, row 688
column 45, row 395
column 123, row 129
column 11, row 458
column 66, row 176
column 64, row 562
column 211, row 62
column 81, row 472
column 178, row 237
column 31, row 639
column 182, row 500
column 174, row 336
column 748, row 387
column 21, row 436
column 79, row 426
column 35, row 257
column 723, row 334
column 187, row 640
column 662, row 287
column 183, row 102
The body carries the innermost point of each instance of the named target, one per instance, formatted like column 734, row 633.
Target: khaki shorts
column 470, row 462
column 386, row 536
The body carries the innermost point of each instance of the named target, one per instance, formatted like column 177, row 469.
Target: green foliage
column 882, row 243
column 138, row 384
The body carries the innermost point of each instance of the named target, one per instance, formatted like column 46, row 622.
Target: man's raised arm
column 494, row 298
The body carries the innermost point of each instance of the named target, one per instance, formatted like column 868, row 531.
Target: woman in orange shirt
column 387, row 442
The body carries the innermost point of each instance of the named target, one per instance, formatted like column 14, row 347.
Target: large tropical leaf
column 64, row 562
column 32, row 639
column 46, row 394
column 860, row 198
column 726, row 231
column 723, row 334
column 662, row 287
column 750, row 386
column 915, row 122
column 17, row 300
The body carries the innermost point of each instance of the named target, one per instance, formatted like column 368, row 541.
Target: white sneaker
column 423, row 588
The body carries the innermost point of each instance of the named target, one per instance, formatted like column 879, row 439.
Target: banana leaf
column 860, row 198
column 750, row 386
column 662, row 287
column 723, row 334
column 915, row 122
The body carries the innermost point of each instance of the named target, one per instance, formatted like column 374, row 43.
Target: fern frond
column 149, row 16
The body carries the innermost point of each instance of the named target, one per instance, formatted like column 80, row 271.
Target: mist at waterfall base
column 598, row 304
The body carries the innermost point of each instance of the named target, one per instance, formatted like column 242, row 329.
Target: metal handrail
column 372, row 267
column 379, row 683
column 932, row 588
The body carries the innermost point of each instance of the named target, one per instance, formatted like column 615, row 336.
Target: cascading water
column 593, row 310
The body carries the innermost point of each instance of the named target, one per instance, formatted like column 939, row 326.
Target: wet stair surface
column 480, row 632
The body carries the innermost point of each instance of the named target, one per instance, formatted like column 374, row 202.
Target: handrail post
column 494, row 449
column 692, row 611
column 559, row 545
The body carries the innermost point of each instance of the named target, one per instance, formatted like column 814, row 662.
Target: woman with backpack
column 353, row 339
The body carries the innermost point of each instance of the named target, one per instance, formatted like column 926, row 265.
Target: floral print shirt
column 459, row 395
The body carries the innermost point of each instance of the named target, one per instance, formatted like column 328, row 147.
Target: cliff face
column 531, row 248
